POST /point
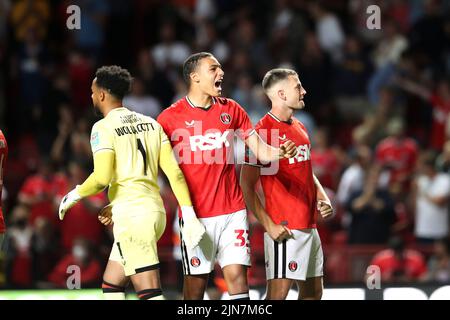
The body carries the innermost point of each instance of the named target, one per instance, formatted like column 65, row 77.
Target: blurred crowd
column 377, row 110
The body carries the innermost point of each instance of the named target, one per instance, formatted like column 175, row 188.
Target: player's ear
column 194, row 77
column 281, row 94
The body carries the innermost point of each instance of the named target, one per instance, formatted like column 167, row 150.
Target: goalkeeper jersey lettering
column 290, row 194
column 136, row 142
column 202, row 140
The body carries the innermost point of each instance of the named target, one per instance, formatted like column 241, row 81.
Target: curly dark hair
column 114, row 79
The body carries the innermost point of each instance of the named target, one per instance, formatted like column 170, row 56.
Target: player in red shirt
column 293, row 250
column 201, row 127
column 3, row 156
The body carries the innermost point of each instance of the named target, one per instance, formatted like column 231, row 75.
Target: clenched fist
column 288, row 149
column 105, row 215
column 325, row 208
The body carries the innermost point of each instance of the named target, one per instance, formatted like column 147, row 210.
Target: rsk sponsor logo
column 209, row 141
column 303, row 154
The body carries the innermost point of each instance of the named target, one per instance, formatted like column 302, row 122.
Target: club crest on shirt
column 195, row 262
column 225, row 118
column 293, row 265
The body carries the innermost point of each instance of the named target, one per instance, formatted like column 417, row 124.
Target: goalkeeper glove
column 68, row 202
column 192, row 230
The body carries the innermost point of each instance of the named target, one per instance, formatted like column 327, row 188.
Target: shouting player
column 128, row 148
column 202, row 127
column 3, row 155
column 292, row 245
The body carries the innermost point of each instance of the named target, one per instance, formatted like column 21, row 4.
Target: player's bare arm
column 267, row 153
column 249, row 178
column 323, row 202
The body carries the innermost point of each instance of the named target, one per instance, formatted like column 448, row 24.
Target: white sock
column 240, row 296
column 114, row 295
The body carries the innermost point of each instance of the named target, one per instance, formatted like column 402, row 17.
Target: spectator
column 32, row 59
column 83, row 221
column 439, row 101
column 157, row 83
column 245, row 39
column 443, row 160
column 18, row 244
column 44, row 250
column 246, row 95
column 398, row 155
column 169, row 52
column 140, row 101
column 326, row 164
column 315, row 67
column 353, row 177
column 428, row 35
column 80, row 73
column 82, row 257
column 90, row 38
column 432, row 198
column 29, row 15
column 398, row 264
column 439, row 263
column 73, row 140
column 372, row 212
column 353, row 71
column 329, row 31
column 385, row 58
column 208, row 40
column 38, row 192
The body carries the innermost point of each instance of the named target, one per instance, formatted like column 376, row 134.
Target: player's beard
column 97, row 111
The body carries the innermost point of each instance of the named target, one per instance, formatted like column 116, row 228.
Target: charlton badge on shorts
column 225, row 118
column 195, row 262
column 293, row 266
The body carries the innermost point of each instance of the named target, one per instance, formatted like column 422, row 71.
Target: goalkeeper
column 128, row 148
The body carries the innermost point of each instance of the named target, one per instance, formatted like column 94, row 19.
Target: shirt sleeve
column 169, row 165
column 163, row 123
column 163, row 135
column 243, row 125
column 101, row 138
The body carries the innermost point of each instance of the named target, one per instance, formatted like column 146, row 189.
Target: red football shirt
column 290, row 193
column 399, row 155
column 3, row 156
column 412, row 265
column 202, row 140
column 37, row 185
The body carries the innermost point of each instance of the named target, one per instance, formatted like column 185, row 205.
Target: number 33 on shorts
column 242, row 238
